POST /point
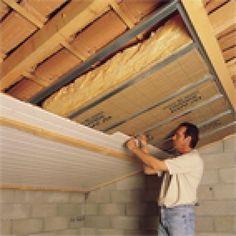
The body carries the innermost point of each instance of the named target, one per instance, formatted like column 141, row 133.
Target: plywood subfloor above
column 52, row 153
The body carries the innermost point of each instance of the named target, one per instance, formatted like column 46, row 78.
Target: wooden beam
column 214, row 4
column 224, row 17
column 40, row 132
column 202, row 25
column 74, row 17
column 18, row 8
column 72, row 49
column 123, row 16
column 34, row 78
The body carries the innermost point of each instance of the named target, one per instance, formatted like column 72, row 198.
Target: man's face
column 179, row 140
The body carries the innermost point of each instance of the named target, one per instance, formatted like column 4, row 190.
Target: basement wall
column 26, row 213
column 127, row 207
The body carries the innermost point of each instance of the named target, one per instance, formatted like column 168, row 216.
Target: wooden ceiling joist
column 18, row 8
column 210, row 43
column 123, row 16
column 224, row 17
column 73, row 50
column 31, row 76
column 74, row 17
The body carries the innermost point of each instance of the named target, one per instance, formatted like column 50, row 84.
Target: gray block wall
column 127, row 207
column 41, row 213
column 216, row 214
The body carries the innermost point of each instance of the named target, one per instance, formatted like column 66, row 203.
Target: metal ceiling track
column 199, row 125
column 159, row 103
column 198, row 106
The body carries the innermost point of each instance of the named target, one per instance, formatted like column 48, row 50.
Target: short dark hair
column 192, row 131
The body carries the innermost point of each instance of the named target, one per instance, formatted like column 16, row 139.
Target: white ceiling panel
column 30, row 160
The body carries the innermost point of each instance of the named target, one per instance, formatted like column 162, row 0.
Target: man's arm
column 149, row 171
column 152, row 164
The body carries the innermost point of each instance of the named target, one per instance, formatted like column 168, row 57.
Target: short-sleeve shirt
column 181, row 181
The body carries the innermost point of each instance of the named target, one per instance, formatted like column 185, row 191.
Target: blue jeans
column 177, row 221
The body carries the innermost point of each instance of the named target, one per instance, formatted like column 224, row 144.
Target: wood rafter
column 123, row 16
column 65, row 43
column 74, row 17
column 200, row 21
column 34, row 78
column 18, row 8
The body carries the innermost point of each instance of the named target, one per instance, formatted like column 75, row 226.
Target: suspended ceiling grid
column 26, row 72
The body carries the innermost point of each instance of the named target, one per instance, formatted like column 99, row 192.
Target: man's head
column 185, row 137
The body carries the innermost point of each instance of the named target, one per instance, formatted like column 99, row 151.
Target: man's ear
column 188, row 140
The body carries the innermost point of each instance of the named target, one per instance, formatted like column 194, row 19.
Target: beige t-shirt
column 181, row 181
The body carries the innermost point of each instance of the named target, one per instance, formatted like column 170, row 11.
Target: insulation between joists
column 165, row 41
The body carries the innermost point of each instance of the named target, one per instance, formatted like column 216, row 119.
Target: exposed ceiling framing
column 55, row 46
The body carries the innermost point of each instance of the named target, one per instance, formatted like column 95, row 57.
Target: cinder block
column 68, row 232
column 87, row 231
column 13, row 196
column 222, row 160
column 99, row 196
column 71, row 210
column 224, row 191
column 77, row 197
column 230, row 144
column 56, row 197
column 228, row 175
column 111, row 209
column 55, row 223
column 204, row 224
column 125, row 222
column 45, row 234
column 123, row 196
column 97, row 221
column 225, row 224
column 46, row 197
column 5, row 227
column 216, row 208
column 205, row 192
column 44, row 210
column 210, row 177
column 34, row 196
column 141, row 209
column 216, row 147
column 132, row 182
column 27, row 226
column 109, row 232
column 91, row 209
column 76, row 222
column 15, row 211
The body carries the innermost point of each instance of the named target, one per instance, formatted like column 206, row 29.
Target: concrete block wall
column 127, row 207
column 216, row 214
column 27, row 213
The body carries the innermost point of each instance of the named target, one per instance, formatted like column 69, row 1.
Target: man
column 182, row 176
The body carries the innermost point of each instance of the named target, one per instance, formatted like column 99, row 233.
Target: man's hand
column 143, row 140
column 131, row 144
